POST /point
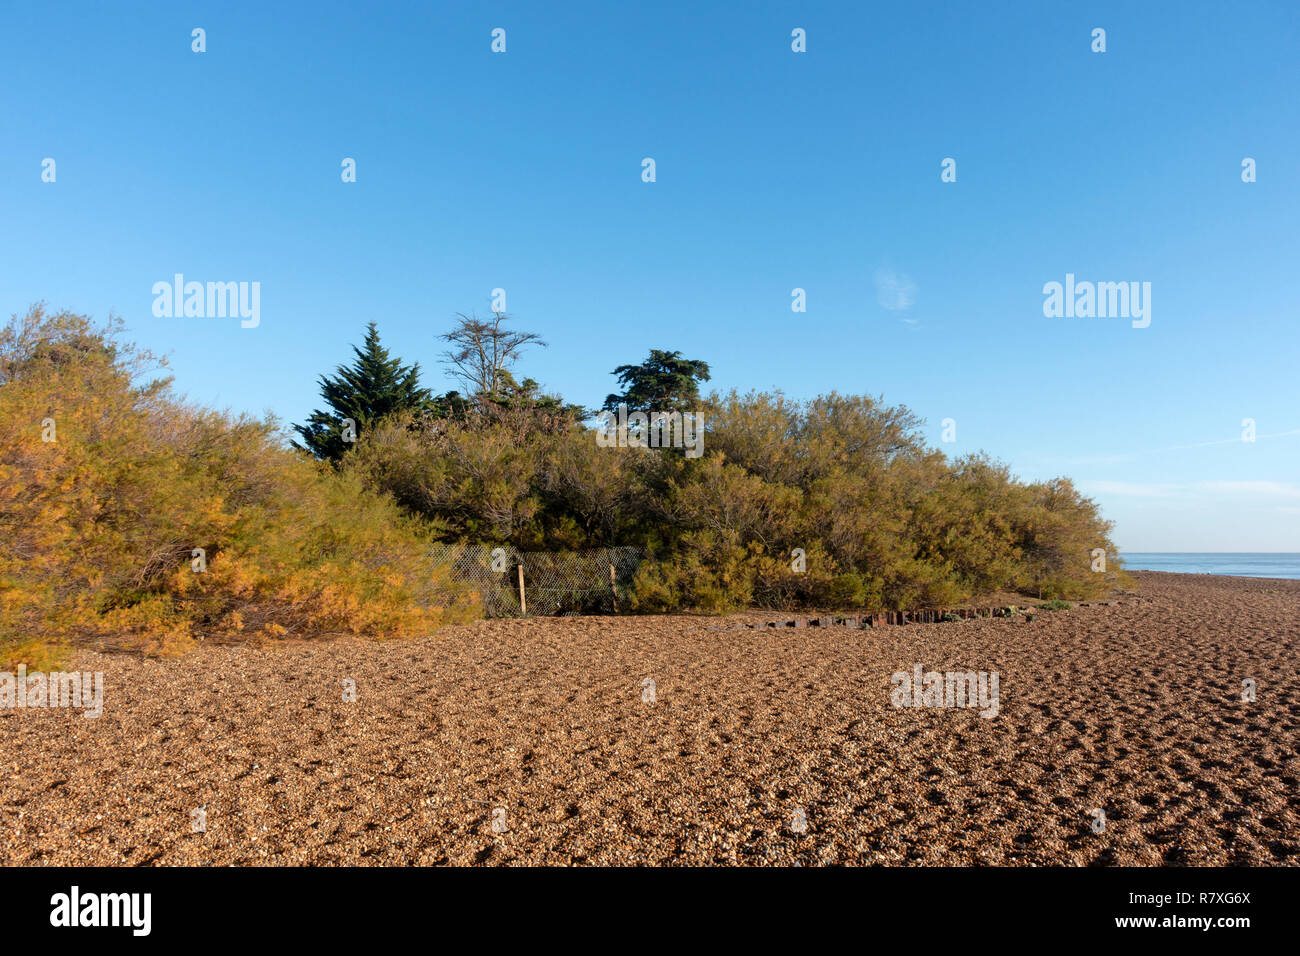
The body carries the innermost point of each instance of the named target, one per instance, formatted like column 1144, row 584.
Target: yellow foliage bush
column 109, row 485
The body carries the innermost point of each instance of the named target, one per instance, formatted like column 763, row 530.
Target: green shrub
column 883, row 521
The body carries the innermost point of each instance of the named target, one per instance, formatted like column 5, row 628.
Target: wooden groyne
column 892, row 618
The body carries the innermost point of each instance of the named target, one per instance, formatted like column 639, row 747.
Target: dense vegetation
column 100, row 524
column 108, row 483
column 883, row 521
column 880, row 520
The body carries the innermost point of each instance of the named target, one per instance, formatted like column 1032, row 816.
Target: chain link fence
column 514, row 583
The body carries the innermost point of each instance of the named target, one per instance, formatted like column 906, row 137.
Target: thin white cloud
column 1134, row 489
column 1076, row 460
column 1255, row 489
column 1261, row 491
column 895, row 291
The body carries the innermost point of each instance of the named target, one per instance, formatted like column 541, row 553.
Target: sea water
column 1266, row 564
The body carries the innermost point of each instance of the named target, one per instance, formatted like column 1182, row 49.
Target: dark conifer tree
column 664, row 382
column 375, row 385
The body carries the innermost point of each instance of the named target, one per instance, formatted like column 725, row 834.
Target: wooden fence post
column 523, row 602
column 613, row 588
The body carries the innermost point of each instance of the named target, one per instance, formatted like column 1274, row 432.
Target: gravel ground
column 531, row 742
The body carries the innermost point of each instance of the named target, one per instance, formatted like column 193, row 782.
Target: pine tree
column 664, row 382
column 375, row 385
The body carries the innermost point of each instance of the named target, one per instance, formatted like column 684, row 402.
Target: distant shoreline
column 1272, row 565
column 1210, row 574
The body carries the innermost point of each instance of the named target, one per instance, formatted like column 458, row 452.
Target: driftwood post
column 523, row 603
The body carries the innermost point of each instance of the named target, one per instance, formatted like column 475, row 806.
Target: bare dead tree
column 483, row 351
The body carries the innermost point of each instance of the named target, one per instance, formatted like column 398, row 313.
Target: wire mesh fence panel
column 511, row 583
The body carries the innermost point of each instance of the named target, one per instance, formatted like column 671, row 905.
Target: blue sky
column 775, row 170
